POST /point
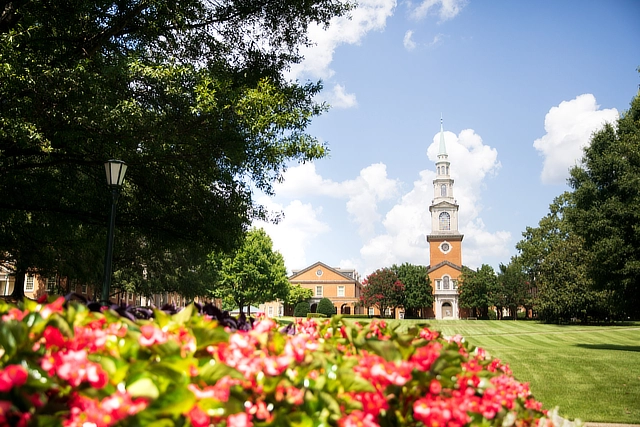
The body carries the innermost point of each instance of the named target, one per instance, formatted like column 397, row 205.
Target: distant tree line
column 407, row 286
column 582, row 261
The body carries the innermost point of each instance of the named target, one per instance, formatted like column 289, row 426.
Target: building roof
column 347, row 273
column 442, row 264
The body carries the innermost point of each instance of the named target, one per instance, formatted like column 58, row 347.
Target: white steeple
column 444, row 209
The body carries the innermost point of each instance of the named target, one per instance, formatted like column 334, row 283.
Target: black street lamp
column 115, row 170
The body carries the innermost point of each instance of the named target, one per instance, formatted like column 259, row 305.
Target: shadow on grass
column 610, row 347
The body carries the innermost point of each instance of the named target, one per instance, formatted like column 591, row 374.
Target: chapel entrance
column 447, row 310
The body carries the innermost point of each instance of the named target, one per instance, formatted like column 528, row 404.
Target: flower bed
column 63, row 365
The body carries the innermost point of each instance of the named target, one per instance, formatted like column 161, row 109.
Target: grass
column 591, row 373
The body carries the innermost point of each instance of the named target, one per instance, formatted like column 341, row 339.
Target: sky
column 520, row 87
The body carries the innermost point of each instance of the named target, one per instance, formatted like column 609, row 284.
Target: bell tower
column 445, row 241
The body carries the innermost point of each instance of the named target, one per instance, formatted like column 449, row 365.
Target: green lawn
column 589, row 372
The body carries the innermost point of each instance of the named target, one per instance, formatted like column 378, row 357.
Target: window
column 319, row 290
column 445, row 282
column 387, row 312
column 438, row 284
column 28, row 284
column 51, row 284
column 443, row 190
column 318, row 272
column 270, row 311
column 445, row 221
column 371, row 311
column 84, row 288
column 454, row 284
column 340, row 291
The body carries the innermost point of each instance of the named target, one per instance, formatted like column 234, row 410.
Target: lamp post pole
column 115, row 170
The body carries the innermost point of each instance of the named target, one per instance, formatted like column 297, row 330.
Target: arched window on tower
column 445, row 221
column 445, row 282
column 443, row 190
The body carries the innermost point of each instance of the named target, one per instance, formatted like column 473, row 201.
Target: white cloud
column 295, row 232
column 369, row 15
column 408, row 222
column 407, row 42
column 445, row 9
column 363, row 193
column 398, row 234
column 569, row 127
column 338, row 98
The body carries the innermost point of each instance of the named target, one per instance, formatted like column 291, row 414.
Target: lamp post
column 115, row 170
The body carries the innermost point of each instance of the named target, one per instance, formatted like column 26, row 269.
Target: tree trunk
column 18, row 285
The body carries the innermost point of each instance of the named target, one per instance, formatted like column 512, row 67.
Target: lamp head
column 115, row 170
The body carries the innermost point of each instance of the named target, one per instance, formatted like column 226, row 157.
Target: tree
column 556, row 263
column 418, row 293
column 383, row 290
column 477, row 290
column 326, row 307
column 606, row 208
column 302, row 309
column 296, row 294
column 512, row 287
column 255, row 274
column 192, row 95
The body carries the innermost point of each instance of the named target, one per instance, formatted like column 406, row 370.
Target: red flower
column 198, row 417
column 12, row 376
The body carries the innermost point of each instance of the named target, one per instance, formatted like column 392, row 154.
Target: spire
column 443, row 149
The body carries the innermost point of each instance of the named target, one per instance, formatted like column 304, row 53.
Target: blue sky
column 521, row 85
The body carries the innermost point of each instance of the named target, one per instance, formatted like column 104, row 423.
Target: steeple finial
column 443, row 147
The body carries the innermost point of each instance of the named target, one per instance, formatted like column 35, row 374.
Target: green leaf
column 143, row 387
column 183, row 316
column 212, row 371
column 175, row 401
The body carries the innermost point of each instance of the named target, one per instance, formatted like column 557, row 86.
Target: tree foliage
column 296, row 294
column 606, row 208
column 418, row 293
column 383, row 289
column 513, row 287
column 326, row 307
column 478, row 289
column 556, row 263
column 302, row 309
column 190, row 94
column 254, row 275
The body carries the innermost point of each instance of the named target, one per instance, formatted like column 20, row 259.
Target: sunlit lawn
column 589, row 372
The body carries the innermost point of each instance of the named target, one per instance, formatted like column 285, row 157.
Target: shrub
column 316, row 315
column 68, row 366
column 302, row 309
column 325, row 306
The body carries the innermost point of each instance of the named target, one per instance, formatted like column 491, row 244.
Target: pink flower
column 358, row 419
column 239, row 420
column 150, row 334
column 12, row 376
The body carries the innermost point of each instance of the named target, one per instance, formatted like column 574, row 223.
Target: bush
column 325, row 306
column 302, row 309
column 492, row 314
column 316, row 315
column 69, row 366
